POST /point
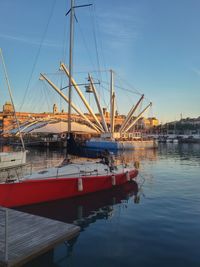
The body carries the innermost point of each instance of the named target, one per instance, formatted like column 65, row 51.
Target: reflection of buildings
column 139, row 155
column 7, row 120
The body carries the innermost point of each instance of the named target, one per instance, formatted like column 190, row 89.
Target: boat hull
column 43, row 190
column 121, row 145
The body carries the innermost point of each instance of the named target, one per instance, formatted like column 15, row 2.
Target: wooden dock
column 24, row 236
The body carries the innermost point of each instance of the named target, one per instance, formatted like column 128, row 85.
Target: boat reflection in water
column 128, row 156
column 82, row 211
column 85, row 210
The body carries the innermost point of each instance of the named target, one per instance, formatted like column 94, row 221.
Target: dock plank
column 30, row 236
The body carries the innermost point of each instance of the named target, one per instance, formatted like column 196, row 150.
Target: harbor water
column 153, row 222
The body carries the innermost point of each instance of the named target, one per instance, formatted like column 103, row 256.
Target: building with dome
column 8, row 107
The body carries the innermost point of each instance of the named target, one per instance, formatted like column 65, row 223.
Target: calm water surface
column 153, row 223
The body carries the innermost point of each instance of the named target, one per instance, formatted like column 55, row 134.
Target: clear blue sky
column 152, row 44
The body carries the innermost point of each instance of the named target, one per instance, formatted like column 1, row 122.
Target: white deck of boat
column 76, row 170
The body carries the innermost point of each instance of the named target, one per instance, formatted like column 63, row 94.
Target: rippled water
column 153, row 223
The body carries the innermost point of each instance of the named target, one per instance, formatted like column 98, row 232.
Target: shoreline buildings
column 7, row 120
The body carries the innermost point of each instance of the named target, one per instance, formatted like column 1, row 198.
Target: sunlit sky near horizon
column 152, row 44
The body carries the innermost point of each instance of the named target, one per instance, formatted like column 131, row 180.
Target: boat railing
column 4, row 231
column 80, row 173
column 13, row 174
column 87, row 173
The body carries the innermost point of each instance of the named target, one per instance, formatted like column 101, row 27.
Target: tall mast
column 70, row 63
column 112, row 104
column 71, row 44
column 11, row 98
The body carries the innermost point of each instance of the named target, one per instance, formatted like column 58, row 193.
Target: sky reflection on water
column 152, row 223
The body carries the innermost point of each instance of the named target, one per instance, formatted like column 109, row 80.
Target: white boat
column 12, row 159
column 169, row 140
column 65, row 181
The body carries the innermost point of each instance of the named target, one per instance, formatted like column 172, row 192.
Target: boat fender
column 137, row 164
column 80, row 184
column 127, row 176
column 113, row 180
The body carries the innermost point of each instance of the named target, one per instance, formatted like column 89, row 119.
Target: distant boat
column 18, row 158
column 101, row 144
column 169, row 140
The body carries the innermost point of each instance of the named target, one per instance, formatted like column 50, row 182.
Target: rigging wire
column 122, row 88
column 150, row 113
column 65, row 34
column 131, row 91
column 101, row 47
column 38, row 53
column 61, row 86
column 46, row 97
column 3, row 85
column 36, row 98
column 129, row 85
column 85, row 43
column 107, row 105
column 95, row 41
column 33, row 98
column 91, row 71
column 92, row 15
column 56, row 73
column 41, row 101
column 129, row 99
